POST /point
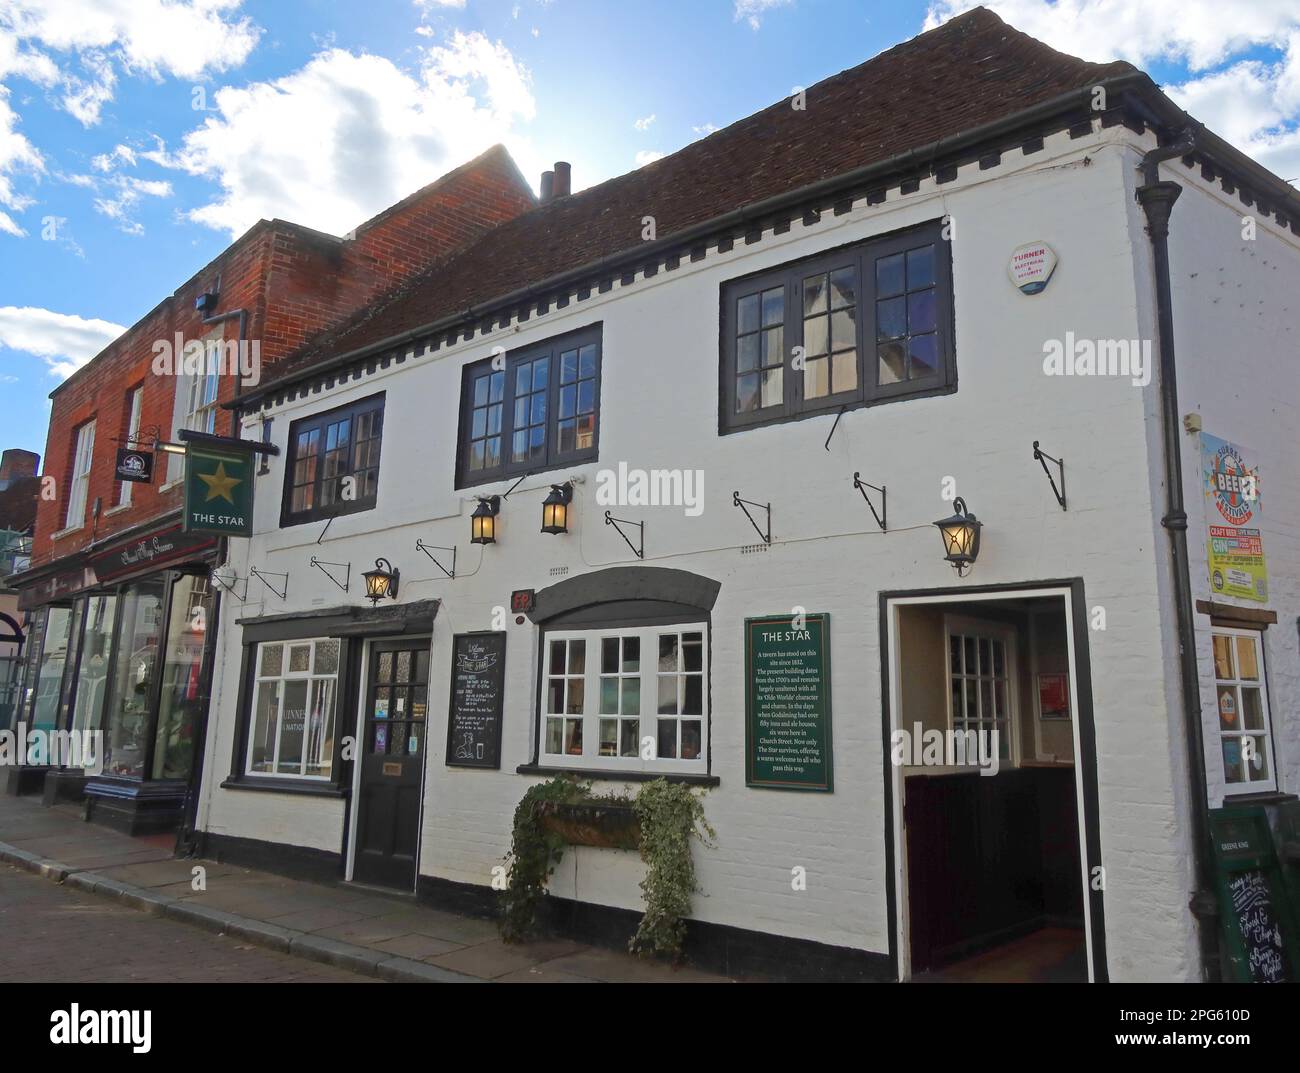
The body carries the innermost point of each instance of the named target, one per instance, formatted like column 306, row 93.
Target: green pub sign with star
column 218, row 491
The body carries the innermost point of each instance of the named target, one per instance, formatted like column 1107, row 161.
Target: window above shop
column 536, row 410
column 83, row 455
column 626, row 699
column 863, row 324
column 333, row 463
column 1241, row 700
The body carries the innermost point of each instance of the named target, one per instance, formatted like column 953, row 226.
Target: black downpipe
column 1157, row 200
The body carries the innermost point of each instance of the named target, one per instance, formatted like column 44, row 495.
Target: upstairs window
column 537, row 410
column 333, row 464
column 859, row 325
column 83, row 454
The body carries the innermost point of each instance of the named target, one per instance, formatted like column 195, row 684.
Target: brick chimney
column 15, row 464
column 563, row 177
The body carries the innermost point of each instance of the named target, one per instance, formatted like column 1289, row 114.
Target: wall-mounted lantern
column 483, row 522
column 555, row 508
column 381, row 582
column 961, row 537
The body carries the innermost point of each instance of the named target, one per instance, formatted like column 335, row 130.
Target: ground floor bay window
column 294, row 709
column 627, row 698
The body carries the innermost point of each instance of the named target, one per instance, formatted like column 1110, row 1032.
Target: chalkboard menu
column 477, row 692
column 1256, row 917
column 788, row 702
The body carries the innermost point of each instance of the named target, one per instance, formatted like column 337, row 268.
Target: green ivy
column 670, row 814
column 534, row 853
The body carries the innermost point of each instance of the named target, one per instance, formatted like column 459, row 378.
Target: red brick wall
column 294, row 283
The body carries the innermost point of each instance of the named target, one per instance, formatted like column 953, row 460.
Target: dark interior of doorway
column 993, row 867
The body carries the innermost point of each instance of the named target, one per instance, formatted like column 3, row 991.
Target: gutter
column 1157, row 199
column 900, row 162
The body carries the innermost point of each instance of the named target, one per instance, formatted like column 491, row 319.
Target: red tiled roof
column 973, row 70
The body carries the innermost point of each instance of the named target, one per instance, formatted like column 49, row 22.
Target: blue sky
column 138, row 137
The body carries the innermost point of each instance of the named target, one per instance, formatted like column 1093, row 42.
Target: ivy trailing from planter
column 534, row 853
column 667, row 816
column 670, row 814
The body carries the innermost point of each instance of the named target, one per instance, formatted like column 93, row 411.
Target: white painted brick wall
column 659, row 409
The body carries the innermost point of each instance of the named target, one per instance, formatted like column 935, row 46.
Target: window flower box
column 592, row 823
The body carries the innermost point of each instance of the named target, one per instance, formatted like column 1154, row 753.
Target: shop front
column 122, row 665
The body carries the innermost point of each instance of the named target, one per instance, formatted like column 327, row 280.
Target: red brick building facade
column 120, row 597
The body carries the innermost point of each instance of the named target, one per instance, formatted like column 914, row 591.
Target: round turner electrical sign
column 1031, row 267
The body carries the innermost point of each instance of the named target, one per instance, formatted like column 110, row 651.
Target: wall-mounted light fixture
column 381, row 582
column 555, row 508
column 483, row 522
column 961, row 537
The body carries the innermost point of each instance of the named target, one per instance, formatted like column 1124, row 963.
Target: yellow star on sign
column 219, row 484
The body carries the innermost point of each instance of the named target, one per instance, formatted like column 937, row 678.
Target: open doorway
column 985, row 745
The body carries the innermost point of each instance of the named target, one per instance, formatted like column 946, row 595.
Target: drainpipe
column 1157, row 199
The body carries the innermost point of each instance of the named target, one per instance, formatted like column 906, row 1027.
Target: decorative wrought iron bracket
column 883, row 516
column 1042, row 458
column 420, row 545
column 229, row 584
column 255, row 572
column 618, row 524
column 321, row 564
column 745, row 504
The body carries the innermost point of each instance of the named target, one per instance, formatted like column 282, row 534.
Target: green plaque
column 218, row 490
column 788, row 702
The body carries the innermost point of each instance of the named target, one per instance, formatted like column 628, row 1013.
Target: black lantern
column 555, row 509
column 483, row 522
column 381, row 582
column 961, row 537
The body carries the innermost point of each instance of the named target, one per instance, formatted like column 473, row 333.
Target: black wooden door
column 392, row 763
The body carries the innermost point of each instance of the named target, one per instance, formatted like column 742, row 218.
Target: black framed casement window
column 333, row 465
column 538, row 410
column 862, row 324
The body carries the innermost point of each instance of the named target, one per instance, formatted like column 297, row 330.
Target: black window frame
column 862, row 256
column 591, row 334
column 320, row 422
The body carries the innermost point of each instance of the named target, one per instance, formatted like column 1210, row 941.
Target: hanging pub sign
column 788, row 702
column 133, row 465
column 477, row 700
column 1259, row 931
column 1233, row 503
column 218, row 490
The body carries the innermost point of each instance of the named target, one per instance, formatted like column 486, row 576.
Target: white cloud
column 644, row 124
column 705, row 129
column 121, row 154
column 426, row 4
column 16, row 154
column 648, row 156
column 347, row 135
column 186, row 39
column 84, row 99
column 64, row 341
column 751, row 11
column 1252, row 103
column 125, row 192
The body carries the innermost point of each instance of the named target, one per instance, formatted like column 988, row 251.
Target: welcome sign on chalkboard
column 477, row 695
column 1256, row 916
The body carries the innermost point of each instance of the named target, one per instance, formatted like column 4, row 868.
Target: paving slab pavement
column 357, row 929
